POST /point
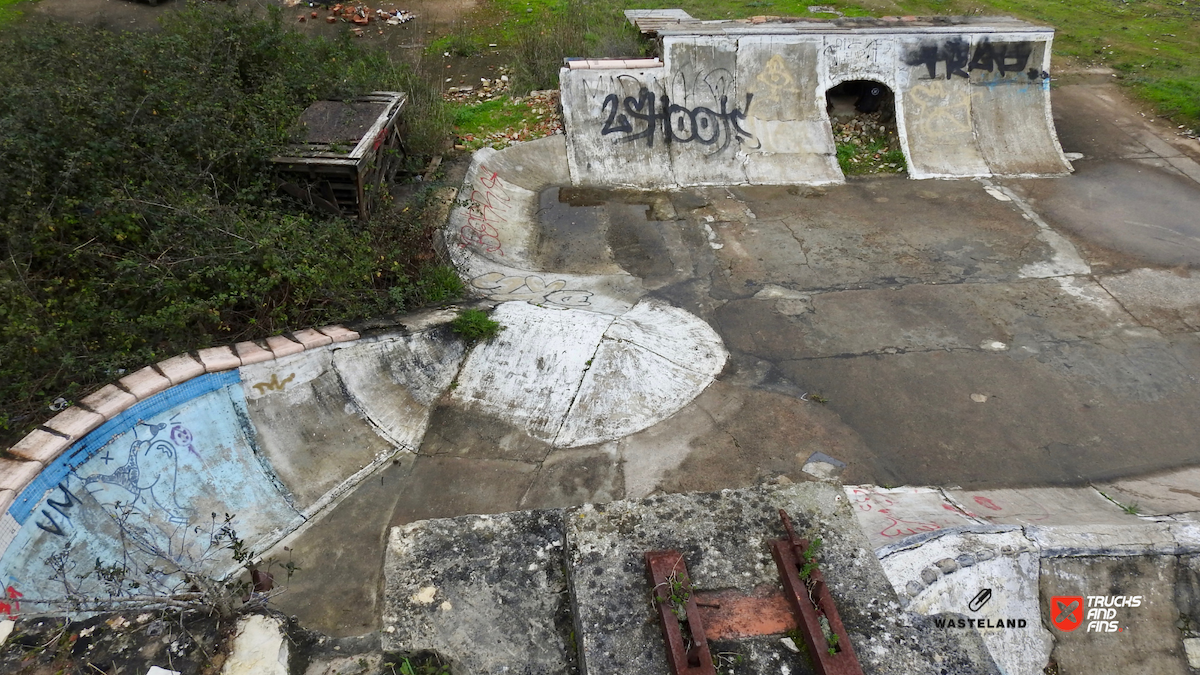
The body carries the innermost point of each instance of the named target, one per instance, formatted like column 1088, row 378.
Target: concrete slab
column 75, row 422
column 339, row 588
column 577, row 476
column 1173, row 492
column 109, row 400
column 1141, row 212
column 487, row 592
column 440, row 487
column 39, row 446
column 532, row 370
column 888, row 516
column 217, row 359
column 1045, row 507
column 1166, row 300
column 1144, row 538
column 1146, row 640
column 180, row 369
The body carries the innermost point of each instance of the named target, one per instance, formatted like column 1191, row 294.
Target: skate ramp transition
column 743, row 102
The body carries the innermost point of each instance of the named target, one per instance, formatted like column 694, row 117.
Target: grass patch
column 459, row 43
column 473, row 325
column 8, row 11
column 480, row 119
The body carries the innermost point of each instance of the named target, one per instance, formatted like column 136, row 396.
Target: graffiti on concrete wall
column 273, row 384
column 487, row 207
column 531, row 288
column 955, row 58
column 649, row 115
column 774, row 84
column 938, row 108
column 142, row 490
column 858, row 54
column 141, row 495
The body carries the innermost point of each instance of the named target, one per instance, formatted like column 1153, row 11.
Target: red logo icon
column 1066, row 611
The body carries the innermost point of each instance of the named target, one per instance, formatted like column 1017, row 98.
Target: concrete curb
column 45, row 444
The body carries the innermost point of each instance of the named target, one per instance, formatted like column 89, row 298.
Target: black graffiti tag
column 1000, row 57
column 644, row 115
column 69, row 500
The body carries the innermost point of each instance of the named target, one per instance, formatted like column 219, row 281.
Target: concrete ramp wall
column 747, row 105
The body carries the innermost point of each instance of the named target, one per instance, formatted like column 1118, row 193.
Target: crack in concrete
column 575, row 395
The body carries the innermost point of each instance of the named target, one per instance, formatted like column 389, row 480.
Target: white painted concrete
column 575, row 378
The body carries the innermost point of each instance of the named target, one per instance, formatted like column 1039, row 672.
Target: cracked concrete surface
column 952, row 333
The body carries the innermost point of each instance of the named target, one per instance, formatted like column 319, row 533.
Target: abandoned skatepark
column 982, row 377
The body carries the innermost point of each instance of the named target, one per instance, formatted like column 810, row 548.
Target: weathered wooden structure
column 348, row 153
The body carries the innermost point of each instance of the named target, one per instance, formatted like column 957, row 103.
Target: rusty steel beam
column 672, row 588
column 804, row 586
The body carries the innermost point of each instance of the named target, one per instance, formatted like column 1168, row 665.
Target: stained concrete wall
column 748, row 106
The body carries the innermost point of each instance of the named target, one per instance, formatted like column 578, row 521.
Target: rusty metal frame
column 810, row 600
column 663, row 568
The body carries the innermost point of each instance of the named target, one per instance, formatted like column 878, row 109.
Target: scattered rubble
column 868, row 144
column 356, row 13
column 544, row 118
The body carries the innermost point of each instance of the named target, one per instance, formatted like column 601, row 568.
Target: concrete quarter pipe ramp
column 743, row 102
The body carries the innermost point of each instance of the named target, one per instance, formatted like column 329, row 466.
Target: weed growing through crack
column 473, row 325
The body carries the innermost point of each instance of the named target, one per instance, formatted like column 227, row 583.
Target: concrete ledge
column 310, row 338
column 75, row 422
column 281, row 346
column 1064, row 541
column 339, row 333
column 145, row 383
column 217, row 359
column 39, row 446
column 6, row 499
column 250, row 352
column 109, row 400
column 180, row 369
column 16, row 475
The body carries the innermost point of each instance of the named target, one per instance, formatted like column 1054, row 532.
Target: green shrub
column 138, row 210
column 473, row 325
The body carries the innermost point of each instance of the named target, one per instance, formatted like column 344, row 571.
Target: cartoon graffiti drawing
column 940, row 108
column 776, row 82
column 142, row 492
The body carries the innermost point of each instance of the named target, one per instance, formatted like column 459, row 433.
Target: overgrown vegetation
column 483, row 118
column 473, row 325
column 138, row 209
column 562, row 28
column 867, row 146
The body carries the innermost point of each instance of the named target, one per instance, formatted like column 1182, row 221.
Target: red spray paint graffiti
column 10, row 606
column 488, row 207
